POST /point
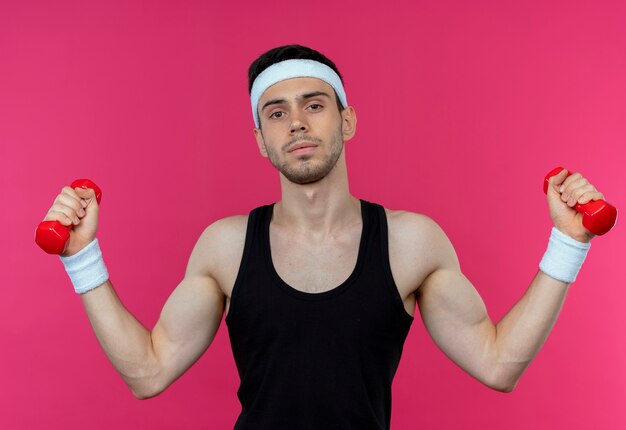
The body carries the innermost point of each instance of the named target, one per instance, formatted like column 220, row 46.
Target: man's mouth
column 301, row 147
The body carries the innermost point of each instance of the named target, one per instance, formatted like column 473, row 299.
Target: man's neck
column 320, row 207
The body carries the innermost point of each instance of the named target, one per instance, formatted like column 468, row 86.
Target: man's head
column 301, row 112
column 284, row 53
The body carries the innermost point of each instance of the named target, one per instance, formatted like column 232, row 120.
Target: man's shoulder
column 416, row 232
column 411, row 223
column 225, row 231
column 220, row 246
column 419, row 235
column 229, row 224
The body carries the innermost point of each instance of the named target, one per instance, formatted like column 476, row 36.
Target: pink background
column 462, row 106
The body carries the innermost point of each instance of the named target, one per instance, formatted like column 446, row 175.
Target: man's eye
column 278, row 113
column 318, row 106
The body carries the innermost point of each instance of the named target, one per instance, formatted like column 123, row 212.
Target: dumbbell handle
column 598, row 216
column 52, row 236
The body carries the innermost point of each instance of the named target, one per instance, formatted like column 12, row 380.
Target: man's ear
column 258, row 135
column 348, row 123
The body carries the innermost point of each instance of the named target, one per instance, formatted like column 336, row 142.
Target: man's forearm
column 523, row 330
column 126, row 342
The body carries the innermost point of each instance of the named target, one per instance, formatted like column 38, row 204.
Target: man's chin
column 305, row 177
column 307, row 172
column 304, row 180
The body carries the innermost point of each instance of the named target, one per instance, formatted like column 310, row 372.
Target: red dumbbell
column 52, row 236
column 598, row 216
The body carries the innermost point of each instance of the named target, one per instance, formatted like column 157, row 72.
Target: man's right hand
column 76, row 207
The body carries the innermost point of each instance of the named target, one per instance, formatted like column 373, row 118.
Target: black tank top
column 317, row 361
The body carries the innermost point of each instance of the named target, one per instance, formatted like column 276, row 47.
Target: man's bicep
column 192, row 314
column 187, row 325
column 455, row 315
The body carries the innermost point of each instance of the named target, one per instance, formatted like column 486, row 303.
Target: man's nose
column 297, row 124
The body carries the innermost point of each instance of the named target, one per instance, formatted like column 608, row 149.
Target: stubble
column 307, row 170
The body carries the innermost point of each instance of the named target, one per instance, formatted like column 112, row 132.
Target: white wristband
column 86, row 268
column 564, row 257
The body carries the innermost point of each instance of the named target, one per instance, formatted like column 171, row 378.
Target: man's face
column 302, row 132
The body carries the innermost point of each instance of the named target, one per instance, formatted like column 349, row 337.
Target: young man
column 320, row 288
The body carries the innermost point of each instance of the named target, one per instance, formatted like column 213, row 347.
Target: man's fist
column 76, row 208
column 563, row 193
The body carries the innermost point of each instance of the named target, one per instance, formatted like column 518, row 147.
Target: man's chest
column 314, row 266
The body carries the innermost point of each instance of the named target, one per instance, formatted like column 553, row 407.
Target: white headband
column 294, row 69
